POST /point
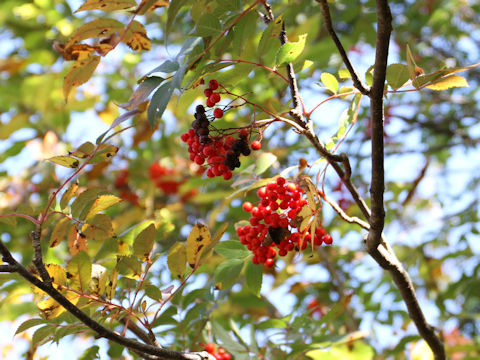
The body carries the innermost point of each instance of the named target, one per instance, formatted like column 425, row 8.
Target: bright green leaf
column 253, row 277
column 227, row 272
column 330, row 82
column 290, row 51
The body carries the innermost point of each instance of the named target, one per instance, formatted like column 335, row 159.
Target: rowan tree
column 228, row 179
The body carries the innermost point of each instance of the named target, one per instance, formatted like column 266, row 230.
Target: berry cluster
column 207, row 144
column 164, row 178
column 218, row 353
column 275, row 224
column 121, row 184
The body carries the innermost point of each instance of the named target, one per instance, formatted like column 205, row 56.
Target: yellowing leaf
column 66, row 161
column 101, row 203
column 83, row 150
column 330, row 82
column 104, row 152
column 106, row 5
column 136, row 37
column 51, row 309
column 59, row 231
column 197, row 240
column 448, row 82
column 95, row 28
column 79, row 271
column 67, row 195
column 143, row 243
column 57, row 273
column 79, row 73
column 290, row 51
column 177, row 260
column 99, row 228
column 150, row 5
column 111, row 285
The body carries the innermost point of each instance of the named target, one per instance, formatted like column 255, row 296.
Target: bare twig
column 329, row 26
column 8, row 268
column 343, row 215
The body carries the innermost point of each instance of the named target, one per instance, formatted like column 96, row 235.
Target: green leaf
column 41, row 334
column 66, row 161
column 344, row 74
column 86, row 198
column 352, row 351
column 153, row 292
column 232, row 249
column 143, row 243
column 269, row 37
column 290, row 51
column 330, row 82
column 448, row 82
column 208, row 25
column 397, row 75
column 159, row 102
column 90, row 353
column 106, row 5
column 264, row 161
column 99, row 227
column 177, row 260
column 101, row 203
column 253, row 277
column 79, row 271
column 228, row 342
column 28, row 324
column 129, row 266
column 173, row 9
column 79, row 73
column 272, row 324
column 104, row 152
column 227, row 272
column 411, row 63
column 142, row 92
column 244, row 30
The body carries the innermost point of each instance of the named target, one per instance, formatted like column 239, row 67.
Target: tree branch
column 46, row 286
column 329, row 26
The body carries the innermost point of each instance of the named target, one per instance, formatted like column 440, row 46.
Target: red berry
column 218, row 113
column 207, row 92
column 214, row 98
column 185, row 137
column 327, row 239
column 281, row 181
column 256, row 145
column 210, row 348
column 209, row 103
column 247, row 206
column 227, row 175
column 269, row 262
column 213, row 84
column 155, row 170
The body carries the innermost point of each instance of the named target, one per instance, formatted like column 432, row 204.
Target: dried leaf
column 106, row 5
column 79, row 73
column 197, row 240
column 136, row 37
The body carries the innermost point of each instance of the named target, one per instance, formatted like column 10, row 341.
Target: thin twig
column 329, row 26
column 343, row 215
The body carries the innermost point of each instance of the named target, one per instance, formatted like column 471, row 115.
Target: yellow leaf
column 177, row 260
column 83, row 150
column 95, row 28
column 99, row 227
column 51, row 309
column 448, row 82
column 197, row 240
column 67, row 195
column 111, row 285
column 101, row 203
column 57, row 273
column 76, row 241
column 66, row 161
column 79, row 73
column 421, row 351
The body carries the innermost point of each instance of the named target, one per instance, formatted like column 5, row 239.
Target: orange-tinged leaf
column 79, row 73
column 76, row 51
column 101, row 203
column 106, row 5
column 95, row 28
column 59, row 231
column 197, row 240
column 76, row 241
column 136, row 37
column 177, row 260
column 66, row 161
column 448, row 82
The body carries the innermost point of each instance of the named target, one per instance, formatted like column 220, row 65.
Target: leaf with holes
column 79, row 73
column 106, row 5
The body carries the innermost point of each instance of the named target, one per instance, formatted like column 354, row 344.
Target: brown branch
column 160, row 353
column 8, row 268
column 329, row 26
column 416, row 182
column 37, row 257
column 384, row 29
